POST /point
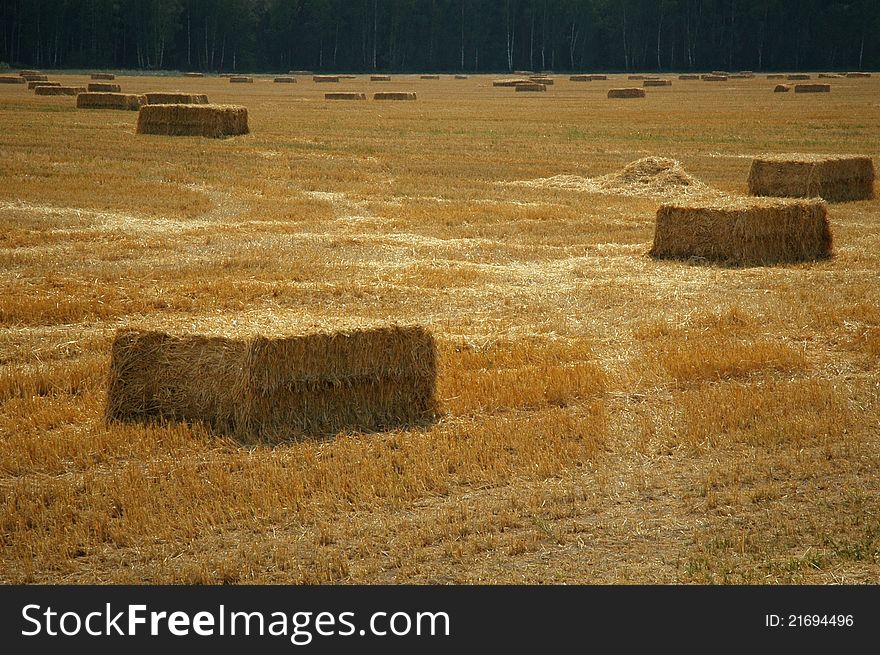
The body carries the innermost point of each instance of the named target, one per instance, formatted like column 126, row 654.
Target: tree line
column 441, row 35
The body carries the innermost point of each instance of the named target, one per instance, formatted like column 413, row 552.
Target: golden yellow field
column 606, row 418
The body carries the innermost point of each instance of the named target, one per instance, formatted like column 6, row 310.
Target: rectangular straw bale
column 580, row 78
column 657, row 83
column 103, row 76
column 546, row 81
column 530, row 86
column 510, row 81
column 626, row 93
column 830, row 76
column 215, row 121
column 345, row 95
column 714, row 78
column 28, row 71
column 300, row 72
column 461, row 77
column 636, row 78
column 284, row 80
column 380, row 78
column 689, row 77
column 104, row 87
column 857, row 75
column 176, row 98
column 34, row 85
column 59, row 90
column 12, row 79
column 837, row 178
column 193, row 74
column 744, row 232
column 241, row 79
column 127, row 101
column 812, row 88
column 34, row 77
column 274, row 389
column 429, row 77
column 798, row 76
column 325, row 78
column 395, row 95
column 782, row 88
column 597, row 77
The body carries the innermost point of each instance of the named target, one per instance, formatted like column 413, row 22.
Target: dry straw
column 838, row 178
column 213, row 121
column 510, row 81
column 325, row 78
column 782, row 88
column 830, row 76
column 28, row 71
column 743, row 231
column 530, row 87
column 176, row 98
column 260, row 388
column 798, row 76
column 103, row 76
column 241, row 79
column 345, row 95
column 812, row 88
column 461, row 77
column 104, row 87
column 857, row 75
column 546, row 81
column 34, row 77
column 285, row 80
column 127, row 101
column 657, row 83
column 395, row 95
column 380, row 78
column 689, row 77
column 59, row 90
column 776, row 76
column 579, row 78
column 714, row 78
column 597, row 77
column 626, row 93
column 12, row 79
column 429, row 77
column 34, row 85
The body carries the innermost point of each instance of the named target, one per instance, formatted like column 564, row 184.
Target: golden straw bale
column 104, row 87
column 580, row 78
column 857, row 75
column 127, row 101
column 530, row 86
column 28, row 71
column 830, row 76
column 103, row 76
column 429, row 77
column 657, row 83
column 689, row 77
column 637, row 78
column 241, row 79
column 776, row 76
column 380, row 78
column 34, row 77
column 546, row 81
column 744, row 232
column 461, row 77
column 213, row 121
column 325, row 78
column 345, row 95
column 836, row 178
column 59, row 90
column 798, row 76
column 34, row 85
column 285, row 80
column 273, row 389
column 300, row 72
column 597, row 77
column 193, row 74
column 510, row 81
column 176, row 98
column 782, row 88
column 12, row 79
column 395, row 95
column 812, row 88
column 714, row 78
column 626, row 93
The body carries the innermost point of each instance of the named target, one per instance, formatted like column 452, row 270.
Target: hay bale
column 213, row 121
column 176, row 98
column 510, row 81
column 325, row 78
column 742, row 232
column 103, row 87
column 34, row 85
column 830, row 76
column 348, row 77
column 812, row 88
column 857, row 75
column 626, row 93
column 776, row 76
column 461, row 77
column 798, row 76
column 714, row 78
column 546, row 81
column 689, row 77
column 429, row 77
column 128, row 101
column 597, row 77
column 530, row 86
column 193, row 74
column 284, row 80
column 833, row 178
column 34, row 78
column 241, row 79
column 637, row 78
column 59, row 90
column 579, row 78
column 12, row 79
column 28, row 71
column 380, row 78
column 657, row 83
column 782, row 88
column 103, row 76
column 345, row 95
column 300, row 72
column 395, row 95
column 261, row 388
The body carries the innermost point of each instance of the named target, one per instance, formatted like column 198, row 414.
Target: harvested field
column 102, row 100
column 626, row 93
column 836, row 178
column 530, row 86
column 602, row 416
column 213, row 121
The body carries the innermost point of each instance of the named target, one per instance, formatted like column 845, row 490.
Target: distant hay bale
column 215, row 121
column 744, row 232
column 59, row 90
column 637, row 77
column 626, row 93
column 284, row 80
column 657, row 83
column 274, row 389
column 580, row 78
column 12, row 79
column 325, row 78
column 714, row 78
column 28, row 71
column 345, row 95
column 429, row 77
column 34, row 85
column 776, row 76
column 241, row 79
column 193, row 74
column 857, row 75
column 782, row 88
column 461, row 77
column 129, row 101
column 348, row 77
column 721, row 73
column 689, row 77
column 546, row 81
column 812, row 88
column 833, row 178
column 34, row 77
column 176, row 98
column 395, row 95
column 300, row 72
column 798, row 76
column 830, row 76
column 597, row 77
column 103, row 87
column 530, row 86
column 103, row 76
column 746, row 74
column 380, row 78
column 510, row 81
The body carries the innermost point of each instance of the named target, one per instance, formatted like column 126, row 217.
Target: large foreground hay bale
column 395, row 95
column 798, row 76
column 126, row 101
column 626, row 93
column 284, row 80
column 103, row 76
column 380, row 78
column 345, row 95
column 274, row 389
column 530, row 86
column 213, row 121
column 748, row 231
column 657, row 83
column 812, row 88
column 782, row 88
column 857, row 75
column 12, row 79
column 325, row 78
column 241, row 79
column 59, row 90
column 834, row 178
column 34, row 85
column 176, row 98
column 104, row 87
column 510, row 81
